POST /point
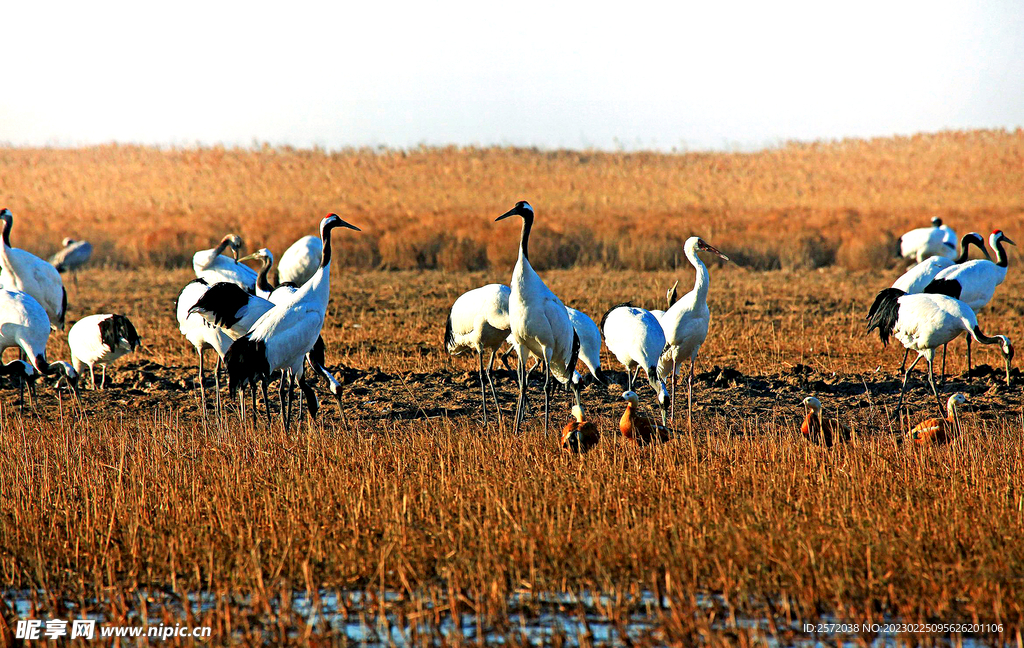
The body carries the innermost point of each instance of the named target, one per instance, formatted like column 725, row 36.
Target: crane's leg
column 202, row 388
column 266, row 400
column 673, row 391
column 92, row 378
column 547, row 380
column 483, row 388
column 943, row 377
column 689, row 398
column 968, row 354
column 281, row 394
column 520, row 371
column 905, row 377
column 490, row 381
column 216, row 384
column 906, row 352
column 103, row 380
column 931, row 381
column 254, row 412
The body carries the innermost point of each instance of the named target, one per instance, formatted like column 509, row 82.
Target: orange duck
column 579, row 435
column 640, row 429
column 936, row 431
column 822, row 430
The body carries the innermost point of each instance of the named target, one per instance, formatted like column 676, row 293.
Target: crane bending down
column 539, row 322
column 923, row 322
column 25, row 272
column 686, row 324
column 25, row 324
column 478, row 322
column 214, row 267
column 636, row 339
column 281, row 338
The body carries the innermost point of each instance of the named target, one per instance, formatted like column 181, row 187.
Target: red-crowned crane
column 300, row 261
column 686, row 324
column 539, row 322
column 25, row 324
column 923, row 322
column 924, row 242
column 100, row 340
column 72, row 256
column 974, row 282
column 478, row 322
column 636, row 339
column 25, row 272
column 215, row 267
column 264, row 289
column 281, row 338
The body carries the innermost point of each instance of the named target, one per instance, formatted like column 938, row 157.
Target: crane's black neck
column 220, row 247
column 965, row 252
column 7, row 232
column 1001, row 259
column 261, row 279
column 325, row 238
column 524, row 241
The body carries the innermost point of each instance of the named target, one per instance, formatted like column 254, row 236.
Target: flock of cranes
column 260, row 332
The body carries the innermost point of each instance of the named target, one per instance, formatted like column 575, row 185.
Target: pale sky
column 633, row 75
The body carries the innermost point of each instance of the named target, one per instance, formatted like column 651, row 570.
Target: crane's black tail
column 449, row 337
column 117, row 328
column 574, row 355
column 246, row 362
column 884, row 312
column 222, row 305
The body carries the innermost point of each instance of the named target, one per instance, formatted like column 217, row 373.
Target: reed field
column 402, row 520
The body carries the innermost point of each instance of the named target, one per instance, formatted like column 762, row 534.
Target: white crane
column 917, row 278
column 25, row 324
column 215, row 267
column 671, row 297
column 281, row 338
column 200, row 333
column 636, row 339
column 100, row 340
column 974, row 282
column 478, row 322
column 590, row 345
column 923, row 322
column 924, row 242
column 72, row 256
column 25, row 272
column 300, row 261
column 539, row 322
column 686, row 324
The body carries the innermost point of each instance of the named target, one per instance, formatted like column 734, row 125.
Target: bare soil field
column 406, row 521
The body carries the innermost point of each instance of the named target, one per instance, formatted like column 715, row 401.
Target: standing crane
column 25, row 272
column 974, row 282
column 636, row 339
column 924, row 242
column 100, row 340
column 281, row 338
column 72, row 256
column 214, row 267
column 539, row 322
column 478, row 322
column 923, row 322
column 686, row 324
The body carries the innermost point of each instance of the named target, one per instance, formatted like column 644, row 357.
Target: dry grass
column 133, row 500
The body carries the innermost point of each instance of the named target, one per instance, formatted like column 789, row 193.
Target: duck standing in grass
column 100, row 340
column 820, row 430
column 640, row 429
column 937, row 431
column 579, row 436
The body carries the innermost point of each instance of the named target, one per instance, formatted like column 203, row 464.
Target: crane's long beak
column 1006, row 239
column 511, row 212
column 342, row 223
column 713, row 250
column 247, row 257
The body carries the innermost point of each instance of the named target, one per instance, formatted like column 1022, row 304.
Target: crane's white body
column 926, row 322
column 89, row 348
column 637, row 340
column 25, row 324
column 687, row 321
column 25, row 272
column 201, row 334
column 72, row 256
column 539, row 321
column 948, row 236
column 924, row 242
column 918, row 277
column 978, row 280
column 224, row 268
column 590, row 340
column 300, row 261
column 478, row 322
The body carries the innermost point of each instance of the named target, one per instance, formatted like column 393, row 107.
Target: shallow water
column 534, row 618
